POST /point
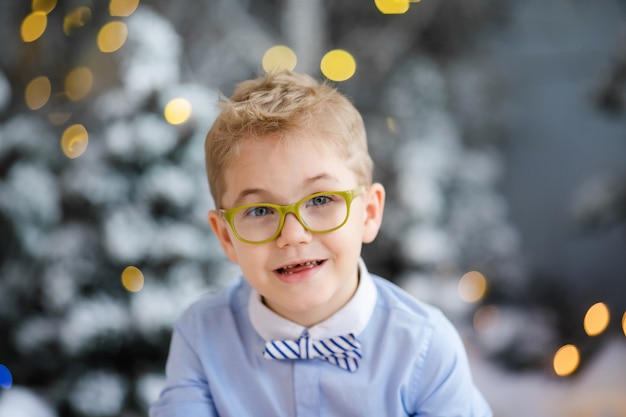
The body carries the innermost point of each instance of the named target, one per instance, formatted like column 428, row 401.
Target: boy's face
column 324, row 269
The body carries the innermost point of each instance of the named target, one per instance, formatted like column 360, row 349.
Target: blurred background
column 497, row 127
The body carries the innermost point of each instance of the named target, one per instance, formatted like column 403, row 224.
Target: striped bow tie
column 342, row 351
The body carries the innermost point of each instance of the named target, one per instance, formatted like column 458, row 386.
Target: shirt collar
column 351, row 318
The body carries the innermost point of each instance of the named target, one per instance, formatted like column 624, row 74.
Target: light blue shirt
column 414, row 362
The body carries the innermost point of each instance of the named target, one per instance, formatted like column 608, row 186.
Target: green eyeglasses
column 317, row 213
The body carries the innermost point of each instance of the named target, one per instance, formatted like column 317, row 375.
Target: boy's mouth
column 295, row 268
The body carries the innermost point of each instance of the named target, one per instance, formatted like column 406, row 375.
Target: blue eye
column 320, row 200
column 259, row 211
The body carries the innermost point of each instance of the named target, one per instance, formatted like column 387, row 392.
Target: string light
column 76, row 19
column 338, row 65
column 33, row 26
column 132, row 279
column 472, row 287
column 486, row 318
column 392, row 6
column 597, row 319
column 74, row 141
column 123, row 8
column 45, row 6
column 278, row 58
column 112, row 36
column 37, row 92
column 566, row 360
column 78, row 83
column 177, row 111
column 58, row 118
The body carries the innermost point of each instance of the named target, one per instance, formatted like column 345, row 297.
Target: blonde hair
column 281, row 103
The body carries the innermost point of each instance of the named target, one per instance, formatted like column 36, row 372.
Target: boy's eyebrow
column 322, row 176
column 263, row 192
column 249, row 191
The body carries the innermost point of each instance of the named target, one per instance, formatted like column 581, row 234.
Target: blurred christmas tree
column 122, row 188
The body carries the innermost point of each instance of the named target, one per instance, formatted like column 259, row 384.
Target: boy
column 306, row 331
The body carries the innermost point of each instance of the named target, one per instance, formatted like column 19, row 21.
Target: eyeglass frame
column 348, row 196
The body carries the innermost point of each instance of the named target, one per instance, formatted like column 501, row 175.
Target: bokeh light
column 132, row 279
column 391, row 124
column 78, row 83
column 624, row 323
column 112, row 36
column 37, row 92
column 485, row 318
column 338, row 65
column 472, row 286
column 6, row 379
column 566, row 360
column 278, row 58
column 597, row 319
column 58, row 118
column 33, row 26
column 74, row 141
column 76, row 19
column 45, row 6
column 177, row 111
column 392, row 6
column 123, row 8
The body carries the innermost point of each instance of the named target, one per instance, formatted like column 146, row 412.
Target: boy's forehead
column 294, row 144
column 272, row 166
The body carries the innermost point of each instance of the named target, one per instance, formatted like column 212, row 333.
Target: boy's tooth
column 309, row 263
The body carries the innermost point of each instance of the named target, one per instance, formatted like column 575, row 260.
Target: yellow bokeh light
column 38, row 92
column 112, row 36
column 74, row 141
column 177, row 111
column 78, row 83
column 132, row 279
column 338, row 65
column 45, row 6
column 58, row 118
column 597, row 319
column 279, row 58
column 33, row 26
column 624, row 323
column 76, row 19
column 472, row 286
column 566, row 360
column 123, row 8
column 392, row 6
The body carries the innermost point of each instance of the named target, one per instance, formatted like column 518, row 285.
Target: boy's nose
column 293, row 232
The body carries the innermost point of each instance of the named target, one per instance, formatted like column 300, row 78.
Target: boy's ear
column 374, row 206
column 221, row 229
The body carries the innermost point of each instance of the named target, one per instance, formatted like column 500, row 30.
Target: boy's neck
column 315, row 316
